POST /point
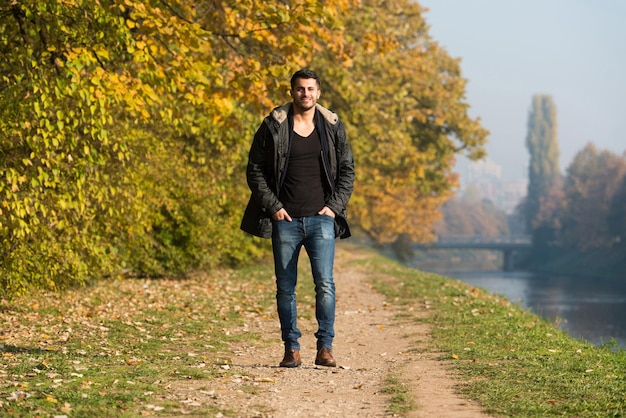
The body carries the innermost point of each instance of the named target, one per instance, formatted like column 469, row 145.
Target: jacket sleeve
column 344, row 182
column 260, row 171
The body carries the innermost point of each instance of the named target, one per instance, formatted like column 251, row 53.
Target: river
column 587, row 309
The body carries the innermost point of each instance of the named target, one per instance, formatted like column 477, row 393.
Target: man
column 301, row 173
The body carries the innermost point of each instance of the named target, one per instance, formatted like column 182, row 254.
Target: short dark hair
column 305, row 73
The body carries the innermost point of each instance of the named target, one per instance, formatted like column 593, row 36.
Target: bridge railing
column 483, row 239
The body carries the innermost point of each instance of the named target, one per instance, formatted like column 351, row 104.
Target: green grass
column 115, row 349
column 512, row 361
column 400, row 399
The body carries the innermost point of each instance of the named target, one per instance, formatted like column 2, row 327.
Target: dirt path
column 370, row 345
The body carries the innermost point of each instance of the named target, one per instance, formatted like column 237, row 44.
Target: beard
column 305, row 105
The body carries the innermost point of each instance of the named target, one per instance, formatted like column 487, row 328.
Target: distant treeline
column 577, row 220
column 581, row 225
column 588, row 209
column 581, row 212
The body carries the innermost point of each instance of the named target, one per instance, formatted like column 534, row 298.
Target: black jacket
column 267, row 165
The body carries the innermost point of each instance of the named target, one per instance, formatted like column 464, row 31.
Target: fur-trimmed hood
column 280, row 113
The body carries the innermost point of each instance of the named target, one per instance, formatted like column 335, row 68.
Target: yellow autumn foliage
column 126, row 126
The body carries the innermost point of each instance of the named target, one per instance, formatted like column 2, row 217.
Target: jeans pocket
column 328, row 227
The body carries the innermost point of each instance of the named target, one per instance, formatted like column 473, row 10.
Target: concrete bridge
column 507, row 244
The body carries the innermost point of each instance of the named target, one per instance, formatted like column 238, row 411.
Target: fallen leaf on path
column 66, row 407
column 191, row 402
column 18, row 396
column 264, row 379
column 154, row 407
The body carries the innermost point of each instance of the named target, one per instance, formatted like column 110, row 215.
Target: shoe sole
column 326, row 364
column 291, row 365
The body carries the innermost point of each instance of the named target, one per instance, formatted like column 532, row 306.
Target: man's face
column 305, row 93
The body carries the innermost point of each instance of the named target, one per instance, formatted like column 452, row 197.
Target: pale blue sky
column 573, row 50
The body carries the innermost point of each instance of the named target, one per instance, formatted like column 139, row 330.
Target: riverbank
column 598, row 263
column 408, row 344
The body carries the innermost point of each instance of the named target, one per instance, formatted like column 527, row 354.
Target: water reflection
column 588, row 309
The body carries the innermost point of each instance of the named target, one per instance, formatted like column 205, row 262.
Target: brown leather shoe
column 325, row 358
column 291, row 359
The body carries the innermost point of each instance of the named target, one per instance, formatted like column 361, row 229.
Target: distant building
column 485, row 177
column 482, row 170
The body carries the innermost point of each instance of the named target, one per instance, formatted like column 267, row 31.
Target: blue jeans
column 317, row 235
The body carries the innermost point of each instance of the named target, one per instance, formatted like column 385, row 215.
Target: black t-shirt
column 302, row 193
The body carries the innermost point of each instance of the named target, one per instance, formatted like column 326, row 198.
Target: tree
column 403, row 101
column 617, row 213
column 591, row 186
column 470, row 217
column 125, row 124
column 544, row 177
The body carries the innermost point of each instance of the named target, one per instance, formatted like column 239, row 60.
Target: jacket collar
column 280, row 113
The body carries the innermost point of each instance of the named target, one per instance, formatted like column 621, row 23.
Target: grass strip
column 512, row 361
column 115, row 349
column 400, row 399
